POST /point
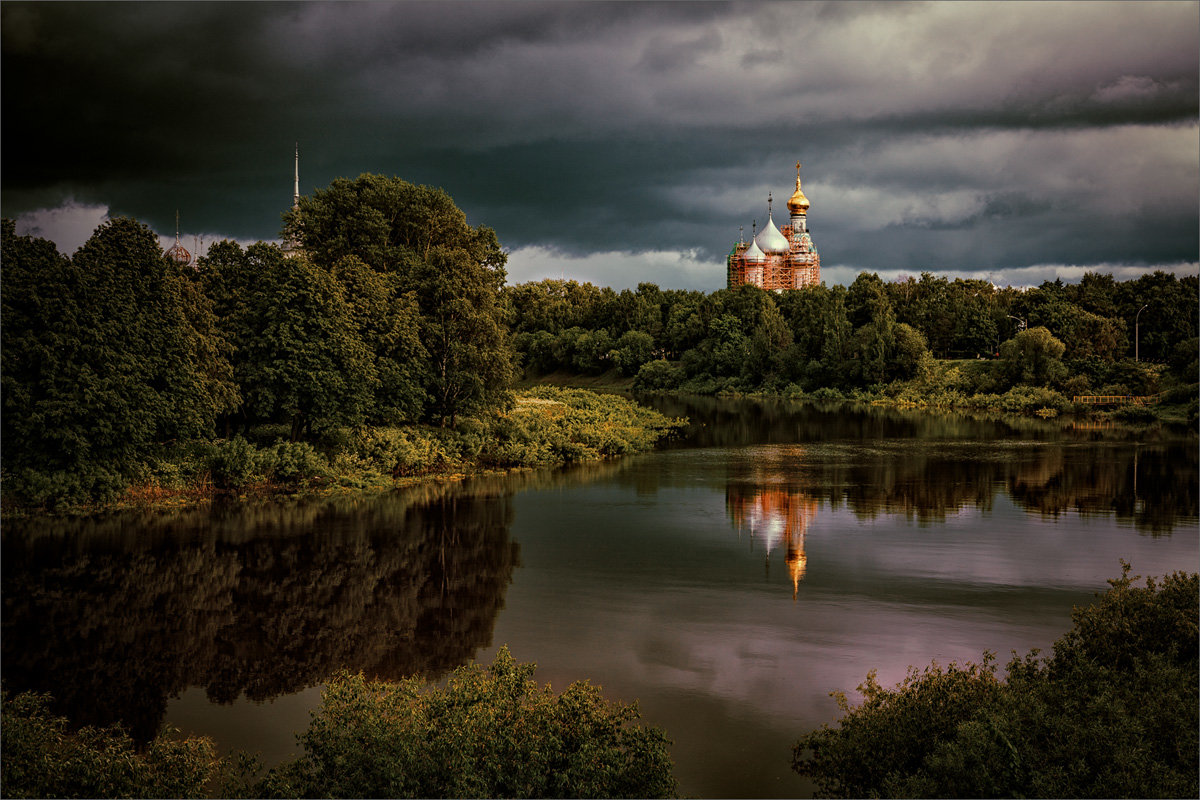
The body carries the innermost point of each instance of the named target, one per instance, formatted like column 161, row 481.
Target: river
column 728, row 582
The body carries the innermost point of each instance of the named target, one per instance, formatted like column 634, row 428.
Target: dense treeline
column 378, row 345
column 122, row 367
column 1075, row 339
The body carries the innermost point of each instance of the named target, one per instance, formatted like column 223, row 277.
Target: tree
column 867, row 301
column 490, row 732
column 1032, row 357
column 106, row 355
column 389, row 325
column 462, row 330
column 769, row 341
column 299, row 356
column 632, row 350
column 453, row 271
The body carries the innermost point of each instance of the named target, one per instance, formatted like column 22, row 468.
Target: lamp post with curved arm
column 1023, row 326
column 1137, row 332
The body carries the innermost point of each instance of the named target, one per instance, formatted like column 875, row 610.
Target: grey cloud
column 970, row 135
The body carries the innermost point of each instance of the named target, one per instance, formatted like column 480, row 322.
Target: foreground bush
column 491, row 732
column 1112, row 713
column 43, row 759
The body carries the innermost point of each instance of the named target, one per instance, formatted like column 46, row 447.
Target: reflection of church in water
column 773, row 516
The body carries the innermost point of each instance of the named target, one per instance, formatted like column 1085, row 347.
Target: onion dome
column 179, row 254
column 753, row 254
column 798, row 203
column 176, row 252
column 770, row 240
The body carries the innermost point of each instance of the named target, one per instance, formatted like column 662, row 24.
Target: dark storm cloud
column 961, row 136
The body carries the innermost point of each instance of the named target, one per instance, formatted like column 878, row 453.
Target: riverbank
column 939, row 391
column 544, row 427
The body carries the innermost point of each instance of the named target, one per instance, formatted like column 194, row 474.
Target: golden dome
column 798, row 203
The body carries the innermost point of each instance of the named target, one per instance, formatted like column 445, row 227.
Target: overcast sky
column 627, row 142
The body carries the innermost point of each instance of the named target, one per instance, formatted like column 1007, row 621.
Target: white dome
column 753, row 254
column 770, row 240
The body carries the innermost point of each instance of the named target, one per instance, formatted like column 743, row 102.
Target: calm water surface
column 728, row 583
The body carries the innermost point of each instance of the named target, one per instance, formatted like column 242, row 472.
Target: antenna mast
column 296, row 186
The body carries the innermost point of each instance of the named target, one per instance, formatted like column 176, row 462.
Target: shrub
column 1112, row 713
column 490, row 732
column 234, row 463
column 406, row 451
column 561, row 426
column 61, row 488
column 659, row 375
column 1024, row 399
column 295, row 462
column 43, row 759
column 827, row 393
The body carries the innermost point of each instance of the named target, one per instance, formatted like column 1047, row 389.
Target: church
column 778, row 259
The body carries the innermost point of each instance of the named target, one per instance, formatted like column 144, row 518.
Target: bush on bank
column 1113, row 712
column 490, row 732
column 43, row 759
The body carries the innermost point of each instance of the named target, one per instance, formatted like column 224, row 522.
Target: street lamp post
column 1023, row 325
column 1137, row 332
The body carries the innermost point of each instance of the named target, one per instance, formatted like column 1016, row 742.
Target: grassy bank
column 544, row 426
column 968, row 385
column 611, row 381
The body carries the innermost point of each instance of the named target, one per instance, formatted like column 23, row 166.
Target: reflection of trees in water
column 925, row 465
column 737, row 422
column 116, row 615
column 1153, row 486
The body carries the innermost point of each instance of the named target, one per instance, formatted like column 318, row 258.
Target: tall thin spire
column 177, row 252
column 296, row 186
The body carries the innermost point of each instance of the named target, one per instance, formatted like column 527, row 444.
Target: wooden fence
column 1117, row 399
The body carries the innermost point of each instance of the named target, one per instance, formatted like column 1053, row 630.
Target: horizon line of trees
column 396, row 312
column 1071, row 337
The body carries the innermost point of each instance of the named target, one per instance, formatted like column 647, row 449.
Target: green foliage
column 1112, row 713
column 632, row 350
column 105, row 356
column 388, row 323
column 1185, row 360
column 549, row 426
column 299, row 356
column 490, row 732
column 449, row 275
column 659, row 375
column 1021, row 399
column 42, row 758
column 1032, row 357
column 400, row 452
column 237, row 464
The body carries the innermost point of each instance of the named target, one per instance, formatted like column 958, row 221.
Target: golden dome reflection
column 774, row 516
